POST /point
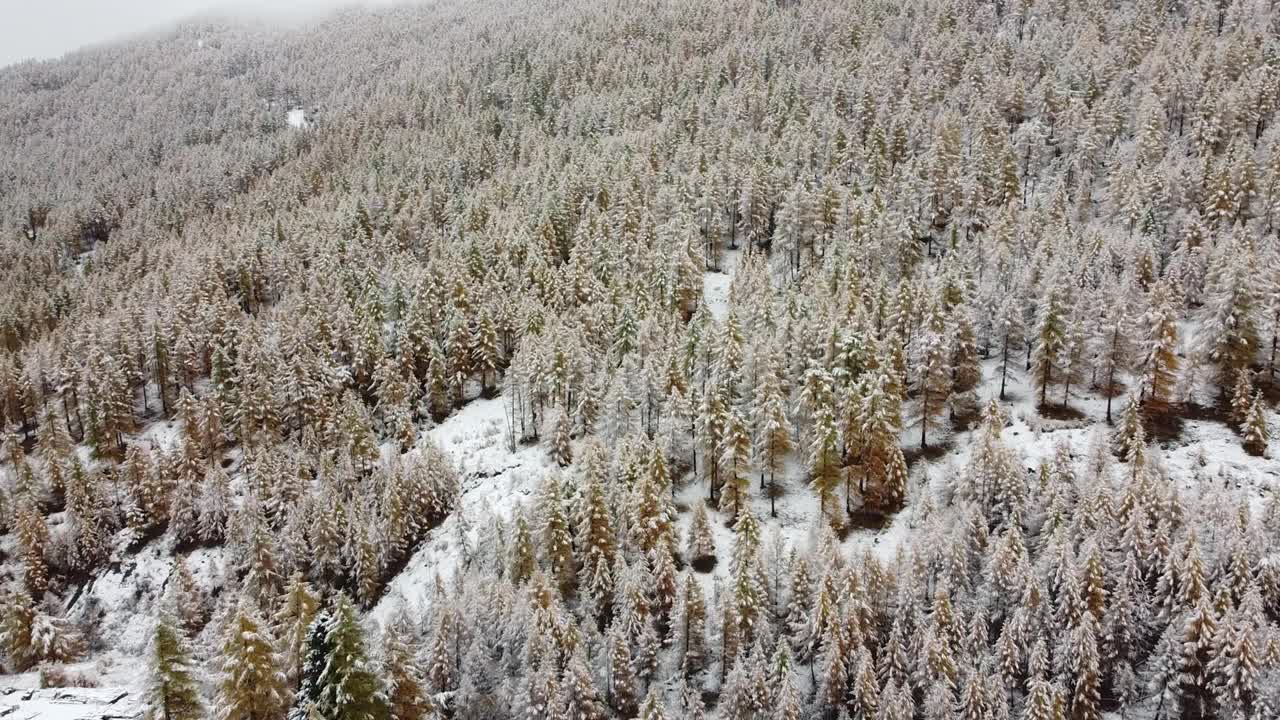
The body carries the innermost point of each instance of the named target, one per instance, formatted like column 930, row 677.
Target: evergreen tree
column 340, row 682
column 772, row 429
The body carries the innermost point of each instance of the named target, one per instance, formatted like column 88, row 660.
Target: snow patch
column 495, row 481
column 67, row 703
column 716, row 286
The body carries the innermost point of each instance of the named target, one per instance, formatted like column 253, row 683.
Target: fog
column 45, row 29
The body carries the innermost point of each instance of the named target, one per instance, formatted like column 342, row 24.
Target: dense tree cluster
column 218, row 331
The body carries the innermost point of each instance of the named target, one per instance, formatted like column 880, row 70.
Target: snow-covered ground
column 716, row 285
column 494, row 481
column 24, row 703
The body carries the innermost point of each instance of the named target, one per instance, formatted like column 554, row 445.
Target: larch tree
column 292, row 621
column 736, row 460
column 172, row 688
column 1049, row 339
column 934, row 382
column 772, row 429
column 251, row 682
column 1160, row 351
column 408, row 697
column 1257, row 433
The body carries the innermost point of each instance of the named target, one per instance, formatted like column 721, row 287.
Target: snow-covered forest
column 660, row 359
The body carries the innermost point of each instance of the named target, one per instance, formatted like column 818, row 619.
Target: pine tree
column 1241, row 399
column 652, row 514
column 33, row 538
column 522, row 562
column 1040, row 704
column 556, row 534
column 785, row 701
column 1195, row 656
column 1009, row 331
column 653, row 708
column 579, row 698
column 595, row 538
column 1228, row 336
column 834, row 672
column 172, row 690
column 1086, row 697
column 621, row 682
column 189, row 605
column 824, row 463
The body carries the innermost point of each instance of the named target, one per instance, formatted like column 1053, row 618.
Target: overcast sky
column 50, row 28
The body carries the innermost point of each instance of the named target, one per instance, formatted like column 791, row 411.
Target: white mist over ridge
column 43, row 31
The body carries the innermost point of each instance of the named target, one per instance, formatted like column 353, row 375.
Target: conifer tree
column 345, row 686
column 621, row 681
column 595, row 538
column 824, row 463
column 934, row 385
column 251, row 682
column 292, row 621
column 557, row 535
column 691, row 621
column 735, row 460
column 407, row 695
column 699, row 544
column 652, row 515
column 522, row 562
column 1241, row 399
column 653, row 707
column 172, row 690
column 1256, row 432
column 561, row 448
column 33, row 538
column 189, row 606
column 1228, row 336
column 1049, row 340
column 1161, row 363
column 579, row 698
column 17, row 620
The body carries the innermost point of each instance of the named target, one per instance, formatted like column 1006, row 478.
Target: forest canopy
column 596, row 359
